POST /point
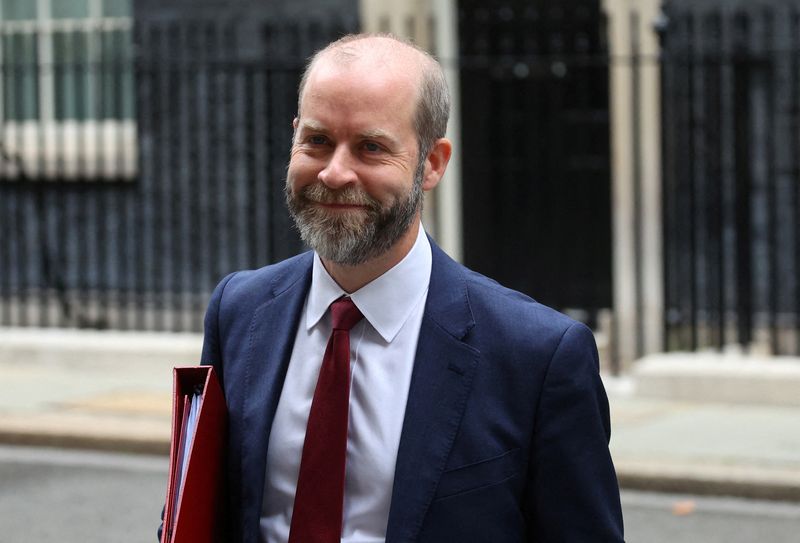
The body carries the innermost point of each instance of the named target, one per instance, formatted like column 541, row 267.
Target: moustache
column 349, row 195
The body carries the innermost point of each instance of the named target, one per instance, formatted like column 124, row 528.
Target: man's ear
column 436, row 163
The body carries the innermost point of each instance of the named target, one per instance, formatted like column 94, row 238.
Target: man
column 470, row 412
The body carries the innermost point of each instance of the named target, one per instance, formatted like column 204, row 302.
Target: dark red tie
column 319, row 499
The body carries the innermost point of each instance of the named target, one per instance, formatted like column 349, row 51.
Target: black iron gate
column 731, row 147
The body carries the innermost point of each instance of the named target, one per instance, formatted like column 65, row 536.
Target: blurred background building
column 632, row 162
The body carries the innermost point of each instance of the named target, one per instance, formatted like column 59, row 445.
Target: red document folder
column 196, row 458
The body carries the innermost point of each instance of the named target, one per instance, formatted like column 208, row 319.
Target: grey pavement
column 119, row 399
column 94, row 497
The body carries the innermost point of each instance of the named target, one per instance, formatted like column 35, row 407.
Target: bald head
column 393, row 54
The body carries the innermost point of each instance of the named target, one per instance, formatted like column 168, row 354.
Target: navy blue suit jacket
column 506, row 429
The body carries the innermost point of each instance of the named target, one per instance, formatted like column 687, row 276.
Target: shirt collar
column 387, row 301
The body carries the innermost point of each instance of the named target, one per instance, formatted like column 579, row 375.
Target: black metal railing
column 113, row 247
column 731, row 127
column 108, row 244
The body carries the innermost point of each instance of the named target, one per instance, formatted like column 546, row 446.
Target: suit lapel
column 272, row 332
column 440, row 384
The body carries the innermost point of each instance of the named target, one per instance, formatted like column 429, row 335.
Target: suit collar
column 295, row 274
column 448, row 300
column 271, row 336
column 444, row 367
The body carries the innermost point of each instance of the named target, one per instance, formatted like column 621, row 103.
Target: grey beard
column 353, row 238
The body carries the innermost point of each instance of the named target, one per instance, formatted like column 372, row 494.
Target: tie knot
column 345, row 314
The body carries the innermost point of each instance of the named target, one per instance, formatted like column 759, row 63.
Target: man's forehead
column 377, row 55
column 366, row 81
column 317, row 125
column 374, row 72
column 389, row 77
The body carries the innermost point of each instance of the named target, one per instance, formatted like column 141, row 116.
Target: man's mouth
column 337, row 205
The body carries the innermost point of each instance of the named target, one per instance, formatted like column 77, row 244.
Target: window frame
column 95, row 147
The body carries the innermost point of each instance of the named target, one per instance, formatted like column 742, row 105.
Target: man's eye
column 372, row 147
column 317, row 140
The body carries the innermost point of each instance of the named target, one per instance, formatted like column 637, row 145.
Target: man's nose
column 339, row 170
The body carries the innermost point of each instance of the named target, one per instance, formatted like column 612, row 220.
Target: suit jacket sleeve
column 212, row 353
column 573, row 493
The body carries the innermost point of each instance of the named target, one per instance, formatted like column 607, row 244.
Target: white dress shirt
column 382, row 349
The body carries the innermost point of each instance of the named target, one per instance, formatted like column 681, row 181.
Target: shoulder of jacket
column 254, row 285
